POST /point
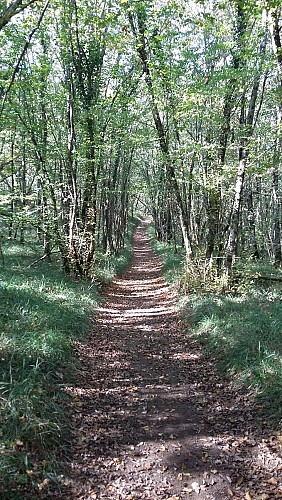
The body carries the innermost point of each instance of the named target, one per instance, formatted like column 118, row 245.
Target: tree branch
column 13, row 8
column 24, row 50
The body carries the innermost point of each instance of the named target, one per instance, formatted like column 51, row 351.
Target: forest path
column 152, row 419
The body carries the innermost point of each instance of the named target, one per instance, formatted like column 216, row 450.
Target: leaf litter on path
column 151, row 416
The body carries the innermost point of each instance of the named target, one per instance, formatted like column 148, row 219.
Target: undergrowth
column 240, row 326
column 244, row 332
column 171, row 256
column 108, row 265
column 41, row 312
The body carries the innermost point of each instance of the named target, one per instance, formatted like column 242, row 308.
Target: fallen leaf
column 239, row 481
column 17, row 444
column 272, row 481
column 176, row 445
column 44, row 484
column 248, row 496
column 196, row 487
column 77, row 401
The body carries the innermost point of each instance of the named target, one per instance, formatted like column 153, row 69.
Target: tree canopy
column 169, row 107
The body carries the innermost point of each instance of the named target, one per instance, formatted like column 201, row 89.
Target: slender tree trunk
column 276, row 217
column 214, row 205
column 22, row 183
column 247, row 126
column 251, row 221
column 12, row 204
column 233, row 232
column 138, row 29
column 275, row 30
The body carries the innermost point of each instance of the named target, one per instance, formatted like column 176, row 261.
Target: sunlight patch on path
column 152, row 417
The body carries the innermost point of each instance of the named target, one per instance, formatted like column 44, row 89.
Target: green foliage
column 41, row 312
column 171, row 256
column 199, row 276
column 107, row 265
column 258, row 275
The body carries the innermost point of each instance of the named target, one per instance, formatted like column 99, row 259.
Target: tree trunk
column 138, row 30
column 276, row 218
column 275, row 30
column 251, row 221
column 247, row 128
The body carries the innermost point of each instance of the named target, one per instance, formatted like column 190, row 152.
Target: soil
column 152, row 417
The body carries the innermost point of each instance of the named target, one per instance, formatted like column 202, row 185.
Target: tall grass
column 242, row 328
column 172, row 257
column 109, row 265
column 244, row 332
column 41, row 312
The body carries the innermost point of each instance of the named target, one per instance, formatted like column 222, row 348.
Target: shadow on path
column 152, row 418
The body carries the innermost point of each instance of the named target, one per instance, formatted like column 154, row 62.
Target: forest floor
column 152, row 418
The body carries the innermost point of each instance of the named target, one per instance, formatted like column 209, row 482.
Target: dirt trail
column 152, row 419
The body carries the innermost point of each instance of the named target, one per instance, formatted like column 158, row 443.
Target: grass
column 242, row 329
column 172, row 260
column 108, row 265
column 244, row 332
column 41, row 312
